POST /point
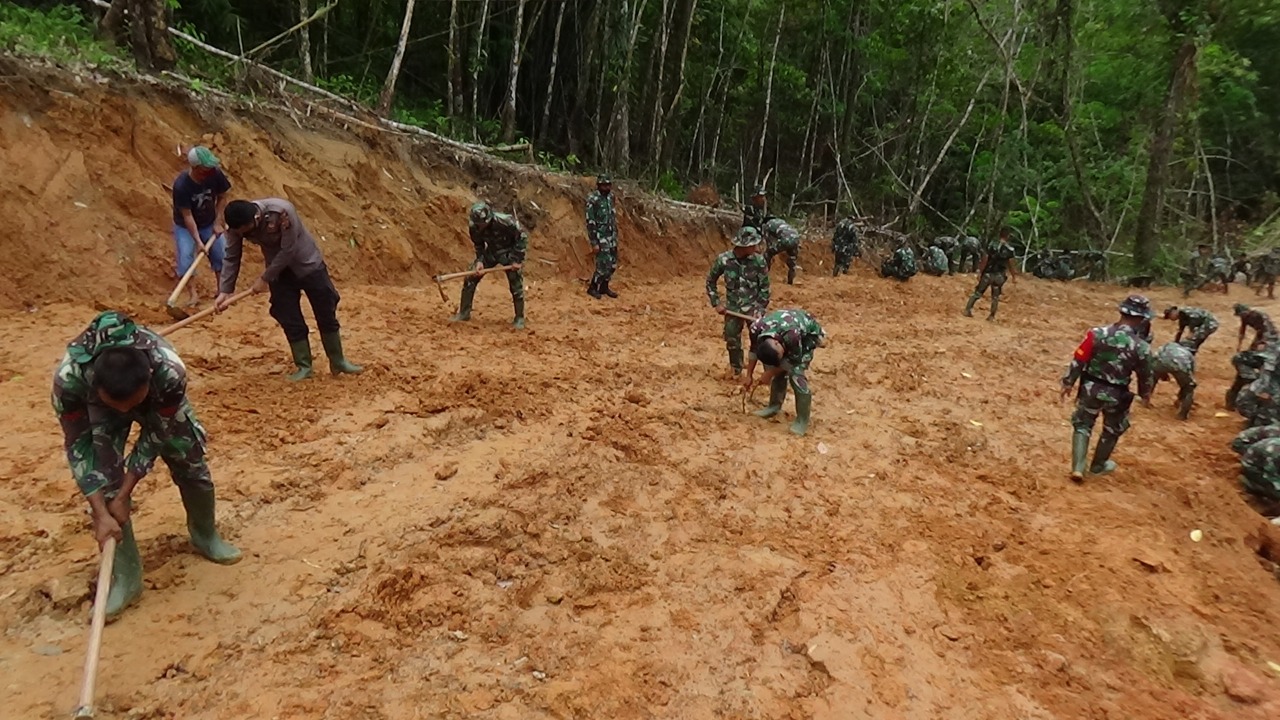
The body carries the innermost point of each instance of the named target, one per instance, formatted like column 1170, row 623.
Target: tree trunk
column 304, row 42
column 389, row 87
column 513, row 77
column 659, row 78
column 1146, row 238
column 551, row 76
column 667, row 141
column 620, row 131
column 454, row 102
column 477, row 55
column 768, row 92
column 147, row 31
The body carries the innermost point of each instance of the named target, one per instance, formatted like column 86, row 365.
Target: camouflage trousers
column 792, row 254
column 606, row 263
column 844, row 259
column 515, row 278
column 993, row 280
column 1257, row 402
column 179, row 441
column 733, row 328
column 1261, row 466
column 967, row 259
column 795, row 376
column 1109, row 401
column 1186, row 382
column 1197, row 337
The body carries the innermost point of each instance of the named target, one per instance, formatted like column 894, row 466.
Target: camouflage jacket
column 1192, row 318
column 935, row 260
column 1260, row 323
column 746, row 282
column 946, row 242
column 753, row 216
column 1172, row 359
column 798, row 332
column 1220, row 265
column 79, row 409
column 846, row 235
column 502, row 239
column 1253, row 435
column 969, row 243
column 1110, row 355
column 779, row 235
column 903, row 260
column 1198, row 265
column 602, row 222
column 998, row 255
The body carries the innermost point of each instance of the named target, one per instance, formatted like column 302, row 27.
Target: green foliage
column 60, row 33
column 668, row 184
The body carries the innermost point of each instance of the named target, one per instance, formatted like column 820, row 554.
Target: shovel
column 440, row 279
column 180, row 313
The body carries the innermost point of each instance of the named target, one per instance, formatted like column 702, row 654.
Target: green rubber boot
column 777, row 393
column 204, row 533
column 804, row 403
column 735, row 362
column 1079, row 455
column 973, row 300
column 518, row 323
column 1186, row 399
column 301, row 351
column 338, row 363
column 464, row 309
column 126, row 574
column 1102, row 463
column 995, row 305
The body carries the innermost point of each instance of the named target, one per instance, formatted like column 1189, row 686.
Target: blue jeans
column 186, row 247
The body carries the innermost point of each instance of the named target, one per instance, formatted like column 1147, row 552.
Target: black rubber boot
column 1102, row 463
column 604, row 288
column 791, row 276
column 1186, row 398
column 338, row 363
column 777, row 393
column 518, row 323
column 1234, row 391
column 204, row 531
column 464, row 309
column 735, row 362
column 301, row 351
column 593, row 288
column 995, row 305
column 1079, row 455
column 126, row 574
column 973, row 300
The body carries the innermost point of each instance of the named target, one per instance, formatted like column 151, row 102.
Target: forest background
column 1140, row 127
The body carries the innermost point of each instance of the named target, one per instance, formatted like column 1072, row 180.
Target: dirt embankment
column 86, row 158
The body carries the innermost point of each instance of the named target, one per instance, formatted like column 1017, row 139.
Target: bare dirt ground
column 579, row 521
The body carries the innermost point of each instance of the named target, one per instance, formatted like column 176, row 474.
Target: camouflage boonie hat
column 481, row 213
column 1136, row 306
column 746, row 237
column 111, row 329
column 604, row 179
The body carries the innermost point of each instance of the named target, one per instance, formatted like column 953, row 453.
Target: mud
column 579, row 521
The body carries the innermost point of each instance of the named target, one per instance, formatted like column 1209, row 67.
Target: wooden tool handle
column 469, row 273
column 205, row 313
column 186, row 278
column 740, row 316
column 85, row 709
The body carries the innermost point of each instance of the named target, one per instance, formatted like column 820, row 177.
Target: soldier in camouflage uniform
column 997, row 261
column 1195, row 274
column 113, row 375
column 934, row 260
column 845, row 246
column 1103, row 364
column 1268, row 269
column 1259, row 450
column 968, row 254
column 499, row 240
column 784, row 340
column 755, row 212
column 948, row 245
column 1264, row 330
column 1199, row 321
column 780, row 238
column 1095, row 265
column 1177, row 361
column 901, row 265
column 602, row 232
column 746, row 289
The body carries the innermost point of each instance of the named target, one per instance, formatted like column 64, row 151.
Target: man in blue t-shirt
column 199, row 197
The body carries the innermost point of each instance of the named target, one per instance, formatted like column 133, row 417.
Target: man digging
column 199, row 199
column 113, row 375
column 498, row 240
column 784, row 340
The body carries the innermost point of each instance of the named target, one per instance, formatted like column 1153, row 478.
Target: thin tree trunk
column 551, row 76
column 454, row 102
column 768, row 92
column 918, row 194
column 477, row 55
column 667, row 141
column 513, row 76
column 699, row 143
column 1146, row 238
column 389, row 87
column 304, row 42
column 660, row 59
column 620, row 130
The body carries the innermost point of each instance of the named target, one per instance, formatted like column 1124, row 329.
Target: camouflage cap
column 111, row 329
column 746, row 237
column 604, row 179
column 481, row 213
column 1136, row 306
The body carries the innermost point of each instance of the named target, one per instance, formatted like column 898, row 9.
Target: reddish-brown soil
column 579, row 521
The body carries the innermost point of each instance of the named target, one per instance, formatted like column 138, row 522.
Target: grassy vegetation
column 61, row 33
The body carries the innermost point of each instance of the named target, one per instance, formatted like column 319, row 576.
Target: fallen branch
column 314, row 16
